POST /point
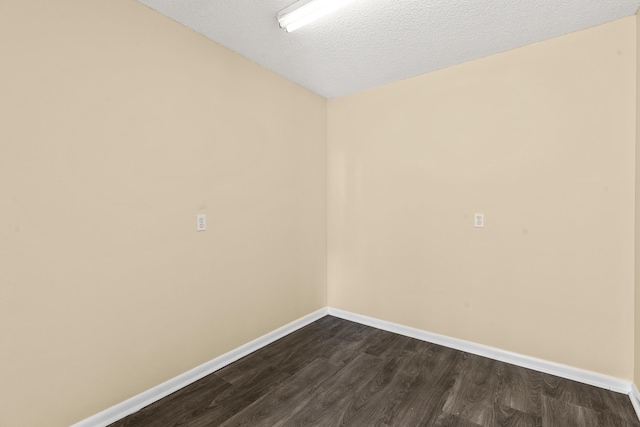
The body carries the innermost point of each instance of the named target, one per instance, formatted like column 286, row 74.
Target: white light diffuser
column 305, row 11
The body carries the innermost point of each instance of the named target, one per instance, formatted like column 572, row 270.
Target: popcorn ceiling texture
column 373, row 42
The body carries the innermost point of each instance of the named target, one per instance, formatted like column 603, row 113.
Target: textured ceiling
column 372, row 42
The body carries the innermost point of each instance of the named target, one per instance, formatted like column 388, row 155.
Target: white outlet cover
column 478, row 220
column 201, row 222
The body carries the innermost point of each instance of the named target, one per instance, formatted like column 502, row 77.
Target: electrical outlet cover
column 478, row 220
column 201, row 222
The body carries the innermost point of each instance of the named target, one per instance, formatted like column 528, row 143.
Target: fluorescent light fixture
column 303, row 12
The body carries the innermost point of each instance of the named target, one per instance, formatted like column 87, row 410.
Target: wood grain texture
column 338, row 373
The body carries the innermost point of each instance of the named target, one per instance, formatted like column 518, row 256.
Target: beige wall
column 539, row 139
column 117, row 126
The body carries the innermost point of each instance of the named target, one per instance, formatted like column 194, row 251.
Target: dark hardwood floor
column 338, row 373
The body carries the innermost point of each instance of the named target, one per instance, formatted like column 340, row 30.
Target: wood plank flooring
column 338, row 373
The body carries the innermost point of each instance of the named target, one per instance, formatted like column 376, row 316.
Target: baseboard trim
column 634, row 395
column 134, row 404
column 568, row 372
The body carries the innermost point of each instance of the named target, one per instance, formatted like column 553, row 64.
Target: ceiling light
column 303, row 12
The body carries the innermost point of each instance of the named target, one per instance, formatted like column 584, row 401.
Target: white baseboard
column 568, row 372
column 156, row 393
column 634, row 395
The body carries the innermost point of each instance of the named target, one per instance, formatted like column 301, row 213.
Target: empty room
column 402, row 213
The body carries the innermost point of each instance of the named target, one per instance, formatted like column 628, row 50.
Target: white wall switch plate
column 201, row 222
column 478, row 220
